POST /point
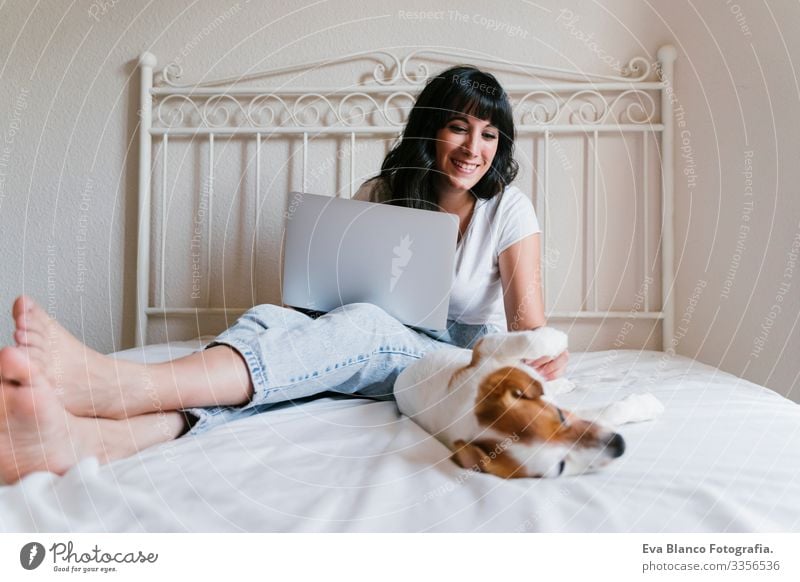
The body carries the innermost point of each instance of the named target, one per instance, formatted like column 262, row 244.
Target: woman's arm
column 521, row 277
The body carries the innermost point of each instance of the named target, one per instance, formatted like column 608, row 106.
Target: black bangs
column 473, row 93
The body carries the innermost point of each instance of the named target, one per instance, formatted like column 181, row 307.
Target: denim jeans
column 356, row 349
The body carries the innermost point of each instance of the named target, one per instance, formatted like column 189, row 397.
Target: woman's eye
column 489, row 136
column 458, row 128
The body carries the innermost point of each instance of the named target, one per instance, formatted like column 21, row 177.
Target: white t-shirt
column 496, row 224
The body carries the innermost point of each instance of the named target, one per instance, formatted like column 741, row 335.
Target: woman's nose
column 471, row 145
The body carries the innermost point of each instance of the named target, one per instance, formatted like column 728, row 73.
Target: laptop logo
column 402, row 255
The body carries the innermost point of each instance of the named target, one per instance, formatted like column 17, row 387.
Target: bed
column 721, row 458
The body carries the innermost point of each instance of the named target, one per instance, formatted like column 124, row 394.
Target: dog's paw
column 633, row 408
column 558, row 386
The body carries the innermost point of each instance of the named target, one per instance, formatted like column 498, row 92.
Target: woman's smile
column 464, row 167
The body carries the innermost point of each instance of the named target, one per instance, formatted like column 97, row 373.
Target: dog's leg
column 510, row 349
column 558, row 386
column 515, row 346
column 634, row 408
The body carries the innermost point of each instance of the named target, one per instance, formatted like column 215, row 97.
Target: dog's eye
column 519, row 393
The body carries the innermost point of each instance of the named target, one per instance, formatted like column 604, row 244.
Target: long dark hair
column 409, row 170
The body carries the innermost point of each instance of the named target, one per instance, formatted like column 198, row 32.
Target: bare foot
column 36, row 432
column 87, row 382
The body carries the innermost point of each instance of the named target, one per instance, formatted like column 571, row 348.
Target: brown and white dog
column 492, row 411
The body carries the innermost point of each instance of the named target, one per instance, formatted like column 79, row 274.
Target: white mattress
column 724, row 456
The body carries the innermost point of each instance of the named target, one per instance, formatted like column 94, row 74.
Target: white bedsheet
column 723, row 457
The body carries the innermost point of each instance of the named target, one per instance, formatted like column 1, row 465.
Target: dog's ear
column 468, row 456
column 528, row 388
column 511, row 381
column 498, row 463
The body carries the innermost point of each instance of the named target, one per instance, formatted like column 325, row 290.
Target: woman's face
column 465, row 148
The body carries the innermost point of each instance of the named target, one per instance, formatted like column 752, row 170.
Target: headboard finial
column 667, row 54
column 148, row 59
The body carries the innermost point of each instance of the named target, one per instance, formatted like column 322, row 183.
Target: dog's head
column 525, row 435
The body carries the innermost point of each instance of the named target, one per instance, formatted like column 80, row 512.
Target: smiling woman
column 455, row 156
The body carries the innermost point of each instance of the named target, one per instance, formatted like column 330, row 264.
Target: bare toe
column 33, row 343
column 26, row 322
column 34, row 426
column 29, row 337
column 29, row 315
column 19, row 306
column 24, row 304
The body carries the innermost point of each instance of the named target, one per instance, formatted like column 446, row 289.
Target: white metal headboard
column 549, row 102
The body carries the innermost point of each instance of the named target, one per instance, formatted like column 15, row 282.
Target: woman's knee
column 371, row 322
column 267, row 316
column 367, row 311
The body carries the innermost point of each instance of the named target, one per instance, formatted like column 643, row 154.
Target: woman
column 62, row 401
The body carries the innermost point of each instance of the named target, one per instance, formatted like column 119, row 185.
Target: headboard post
column 147, row 62
column 666, row 57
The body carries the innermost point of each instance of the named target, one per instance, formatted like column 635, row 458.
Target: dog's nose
column 616, row 445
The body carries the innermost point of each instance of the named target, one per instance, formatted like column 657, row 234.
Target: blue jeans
column 356, row 349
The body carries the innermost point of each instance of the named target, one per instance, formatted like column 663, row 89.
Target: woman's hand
column 550, row 368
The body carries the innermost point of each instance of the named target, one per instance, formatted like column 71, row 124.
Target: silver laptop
column 339, row 251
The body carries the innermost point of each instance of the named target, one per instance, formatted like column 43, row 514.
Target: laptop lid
column 339, row 251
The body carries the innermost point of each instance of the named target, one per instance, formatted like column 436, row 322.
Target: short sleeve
column 370, row 191
column 364, row 193
column 516, row 219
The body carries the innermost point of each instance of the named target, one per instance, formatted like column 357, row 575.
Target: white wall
column 738, row 223
column 68, row 89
